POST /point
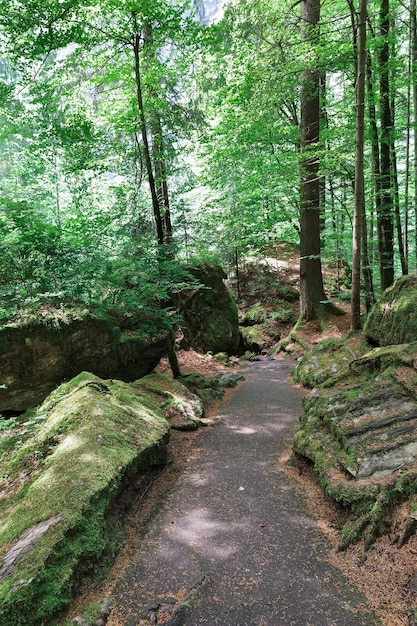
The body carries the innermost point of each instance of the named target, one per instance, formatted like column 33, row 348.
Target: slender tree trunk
column 376, row 161
column 365, row 261
column 161, row 177
column 312, row 294
column 335, row 231
column 145, row 140
column 413, row 25
column 398, row 224
column 158, row 149
column 359, row 210
column 324, row 123
column 366, row 266
column 408, row 140
column 386, row 259
column 396, row 190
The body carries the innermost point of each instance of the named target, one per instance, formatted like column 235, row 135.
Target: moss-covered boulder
column 255, row 338
column 37, row 355
column 209, row 388
column 393, row 319
column 359, row 431
column 328, row 360
column 93, row 438
column 182, row 408
column 261, row 325
column 209, row 312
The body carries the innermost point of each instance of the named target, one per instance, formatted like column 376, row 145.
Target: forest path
column 233, row 543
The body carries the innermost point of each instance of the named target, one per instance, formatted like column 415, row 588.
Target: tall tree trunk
column 398, row 224
column 396, row 190
column 359, row 210
column 324, row 124
column 413, row 25
column 361, row 65
column 408, row 139
column 386, row 246
column 158, row 149
column 366, row 265
column 312, row 294
column 144, row 133
column 161, row 177
column 376, row 161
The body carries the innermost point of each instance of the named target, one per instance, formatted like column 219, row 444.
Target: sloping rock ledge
column 36, row 355
column 94, row 448
column 359, row 430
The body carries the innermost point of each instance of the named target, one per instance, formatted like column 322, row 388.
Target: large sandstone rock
column 209, row 312
column 183, row 409
column 37, row 356
column 359, row 430
column 393, row 319
column 66, row 488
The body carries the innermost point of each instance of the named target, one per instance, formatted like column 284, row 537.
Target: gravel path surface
column 233, row 544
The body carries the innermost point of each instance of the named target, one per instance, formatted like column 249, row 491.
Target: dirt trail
column 233, row 544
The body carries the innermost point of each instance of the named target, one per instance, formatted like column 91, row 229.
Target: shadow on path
column 234, row 545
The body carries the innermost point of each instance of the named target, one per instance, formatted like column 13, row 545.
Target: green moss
column 206, row 388
column 256, row 314
column 98, row 435
column 328, row 363
column 338, row 434
column 179, row 405
column 393, row 319
column 254, row 338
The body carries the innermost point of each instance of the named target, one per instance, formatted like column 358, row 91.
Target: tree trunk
column 366, row 266
column 413, row 25
column 398, row 224
column 144, row 133
column 376, row 162
column 408, row 139
column 312, row 296
column 359, row 209
column 386, row 247
column 158, row 149
column 324, row 124
column 161, row 177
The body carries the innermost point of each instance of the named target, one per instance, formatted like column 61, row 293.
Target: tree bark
column 413, row 18
column 386, row 244
column 312, row 296
column 145, row 140
column 376, row 161
column 158, row 148
column 359, row 209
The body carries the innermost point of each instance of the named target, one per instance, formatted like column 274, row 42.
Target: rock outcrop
column 393, row 319
column 261, row 325
column 210, row 318
column 95, row 440
column 36, row 356
column 359, row 430
column 183, row 409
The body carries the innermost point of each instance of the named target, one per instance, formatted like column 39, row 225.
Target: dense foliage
column 135, row 135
